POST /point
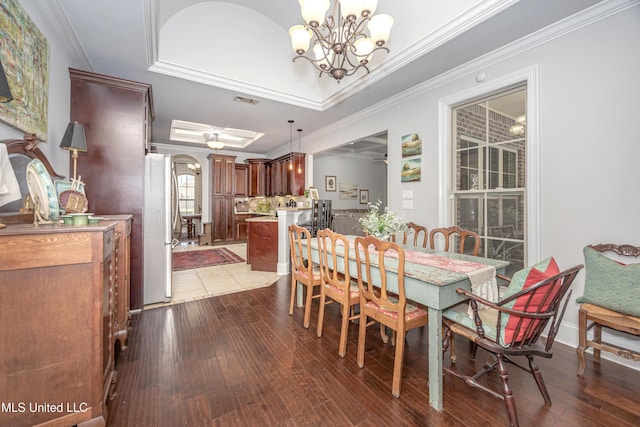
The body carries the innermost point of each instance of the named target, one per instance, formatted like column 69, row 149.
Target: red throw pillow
column 524, row 279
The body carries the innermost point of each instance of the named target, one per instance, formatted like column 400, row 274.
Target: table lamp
column 74, row 141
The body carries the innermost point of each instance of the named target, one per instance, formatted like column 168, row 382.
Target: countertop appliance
column 159, row 217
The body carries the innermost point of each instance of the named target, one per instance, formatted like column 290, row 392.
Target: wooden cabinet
column 241, row 225
column 257, row 177
column 116, row 116
column 122, row 256
column 58, row 296
column 262, row 244
column 284, row 176
column 223, row 173
column 242, row 180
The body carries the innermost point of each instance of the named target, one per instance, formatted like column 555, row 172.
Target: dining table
column 431, row 278
column 190, row 223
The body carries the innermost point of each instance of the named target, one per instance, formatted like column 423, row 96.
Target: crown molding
column 199, row 76
column 150, row 22
column 60, row 24
column 587, row 17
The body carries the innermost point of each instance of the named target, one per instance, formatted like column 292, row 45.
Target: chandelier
column 212, row 141
column 341, row 44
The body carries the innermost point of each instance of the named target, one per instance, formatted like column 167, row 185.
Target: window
column 488, row 166
column 186, row 193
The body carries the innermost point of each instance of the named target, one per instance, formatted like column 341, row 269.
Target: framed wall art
column 364, row 197
column 411, row 144
column 313, row 193
column 329, row 183
column 24, row 52
column 348, row 191
column 411, row 170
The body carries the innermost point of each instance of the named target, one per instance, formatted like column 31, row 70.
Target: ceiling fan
column 211, row 138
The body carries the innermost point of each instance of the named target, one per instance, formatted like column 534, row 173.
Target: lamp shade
column 5, row 92
column 380, row 28
column 73, row 138
column 300, row 38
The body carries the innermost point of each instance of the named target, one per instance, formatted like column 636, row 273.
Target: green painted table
column 431, row 286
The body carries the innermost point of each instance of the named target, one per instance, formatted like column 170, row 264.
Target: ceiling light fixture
column 194, row 167
column 299, row 160
column 291, row 144
column 519, row 128
column 341, row 45
column 212, row 141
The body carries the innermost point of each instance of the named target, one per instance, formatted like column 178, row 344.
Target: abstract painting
column 348, row 191
column 411, row 170
column 411, row 144
column 24, row 52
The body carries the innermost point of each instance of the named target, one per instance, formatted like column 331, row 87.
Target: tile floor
column 189, row 285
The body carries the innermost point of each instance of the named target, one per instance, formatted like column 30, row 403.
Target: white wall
column 589, row 151
column 364, row 173
column 59, row 94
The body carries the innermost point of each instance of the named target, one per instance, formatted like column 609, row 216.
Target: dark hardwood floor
column 241, row 360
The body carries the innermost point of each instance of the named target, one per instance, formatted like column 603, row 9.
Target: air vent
column 246, row 100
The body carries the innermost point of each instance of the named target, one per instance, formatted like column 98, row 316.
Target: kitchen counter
column 262, row 243
column 263, row 219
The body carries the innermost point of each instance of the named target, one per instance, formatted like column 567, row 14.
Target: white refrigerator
column 158, row 217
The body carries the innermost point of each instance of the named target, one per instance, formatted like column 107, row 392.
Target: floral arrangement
column 382, row 224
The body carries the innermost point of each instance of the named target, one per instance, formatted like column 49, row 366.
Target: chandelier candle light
column 341, row 44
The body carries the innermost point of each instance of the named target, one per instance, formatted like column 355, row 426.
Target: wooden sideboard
column 59, row 307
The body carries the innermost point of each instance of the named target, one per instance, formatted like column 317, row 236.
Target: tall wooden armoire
column 116, row 115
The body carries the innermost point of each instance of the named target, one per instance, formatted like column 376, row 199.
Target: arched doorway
column 188, row 173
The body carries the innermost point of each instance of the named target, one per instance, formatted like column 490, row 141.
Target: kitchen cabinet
column 116, row 115
column 58, row 286
column 223, row 177
column 258, row 177
column 262, row 243
column 241, row 225
column 241, row 180
column 285, row 181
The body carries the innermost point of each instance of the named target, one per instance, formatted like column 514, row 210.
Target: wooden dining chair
column 374, row 257
column 420, row 235
column 611, row 300
column 302, row 269
column 455, row 232
column 336, row 286
column 535, row 297
column 449, row 233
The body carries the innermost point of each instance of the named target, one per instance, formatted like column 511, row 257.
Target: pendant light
column 291, row 144
column 299, row 160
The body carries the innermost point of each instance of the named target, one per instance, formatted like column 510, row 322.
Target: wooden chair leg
column 582, row 341
column 509, row 402
column 307, row 307
column 537, row 375
column 323, row 299
column 383, row 334
column 397, row 364
column 344, row 330
column 597, row 337
column 294, row 284
column 362, row 333
column 473, row 349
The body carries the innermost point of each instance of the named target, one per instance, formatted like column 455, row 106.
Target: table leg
column 189, row 227
column 435, row 358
